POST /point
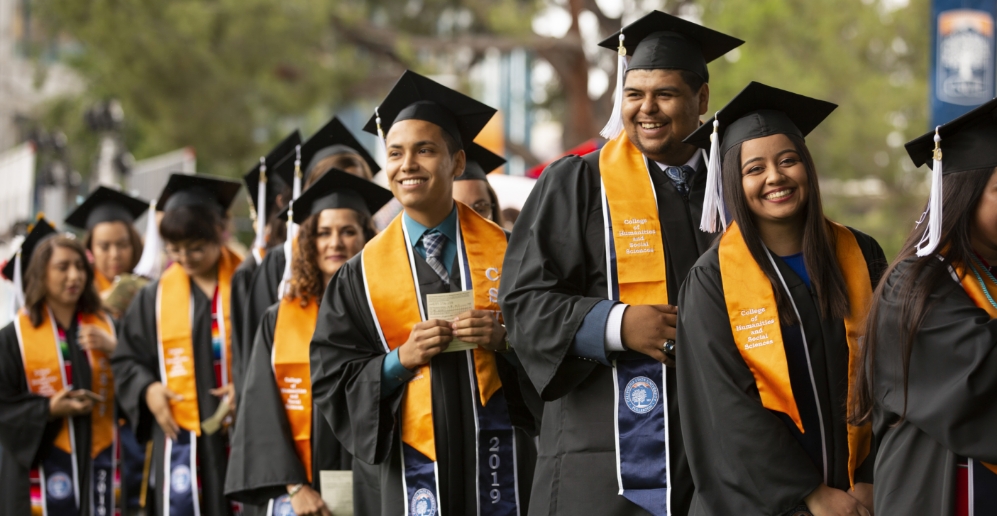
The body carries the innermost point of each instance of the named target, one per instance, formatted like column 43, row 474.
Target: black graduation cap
column 188, row 190
column 106, row 205
column 760, row 110
column 252, row 178
column 659, row 40
column 337, row 189
column 415, row 97
column 480, row 162
column 41, row 231
column 333, row 138
column 967, row 143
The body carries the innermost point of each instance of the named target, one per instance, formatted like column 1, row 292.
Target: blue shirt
column 795, row 262
column 393, row 374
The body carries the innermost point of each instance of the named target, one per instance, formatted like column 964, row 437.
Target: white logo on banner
column 964, row 66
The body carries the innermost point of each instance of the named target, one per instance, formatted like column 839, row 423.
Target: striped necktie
column 434, row 241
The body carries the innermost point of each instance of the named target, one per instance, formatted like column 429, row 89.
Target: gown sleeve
column 553, row 255
column 242, row 339
column 263, row 459
column 135, row 362
column 24, row 424
column 758, row 469
column 952, row 380
column 262, row 292
column 346, row 361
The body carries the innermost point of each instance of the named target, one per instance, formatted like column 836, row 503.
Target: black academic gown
column 554, row 273
column 263, row 289
column 26, row 434
column 263, row 461
column 951, row 393
column 346, row 360
column 136, row 365
column 242, row 337
column 747, row 459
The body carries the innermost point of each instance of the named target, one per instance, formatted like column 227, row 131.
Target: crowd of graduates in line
column 673, row 326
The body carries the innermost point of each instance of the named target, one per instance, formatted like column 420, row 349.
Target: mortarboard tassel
column 296, row 191
column 149, row 264
column 615, row 124
column 261, row 214
column 380, row 134
column 18, row 300
column 292, row 233
column 933, row 233
column 713, row 203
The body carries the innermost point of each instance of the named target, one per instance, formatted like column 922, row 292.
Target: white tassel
column 18, row 300
column 713, row 202
column 380, row 134
column 933, row 233
column 615, row 124
column 296, row 188
column 150, row 264
column 292, row 231
column 261, row 213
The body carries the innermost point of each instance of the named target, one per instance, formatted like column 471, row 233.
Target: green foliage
column 870, row 60
column 219, row 75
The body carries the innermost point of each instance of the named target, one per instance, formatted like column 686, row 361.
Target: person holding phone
column 57, row 422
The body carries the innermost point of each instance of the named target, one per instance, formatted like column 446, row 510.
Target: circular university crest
column 641, row 395
column 423, row 503
column 59, row 486
column 180, row 479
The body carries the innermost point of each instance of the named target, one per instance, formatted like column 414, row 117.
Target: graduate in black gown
column 270, row 233
column 449, row 430
column 772, row 318
column 173, row 362
column 108, row 218
column 586, row 321
column 280, row 447
column 332, row 146
column 57, row 419
column 931, row 348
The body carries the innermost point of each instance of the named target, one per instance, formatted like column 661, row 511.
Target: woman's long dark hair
column 818, row 239
column 34, row 279
column 961, row 193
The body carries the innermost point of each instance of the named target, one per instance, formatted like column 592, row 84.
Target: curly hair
column 34, row 279
column 306, row 276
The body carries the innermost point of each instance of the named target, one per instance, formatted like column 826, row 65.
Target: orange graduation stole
column 292, row 370
column 754, row 322
column 633, row 217
column 396, row 309
column 970, row 283
column 44, row 369
column 100, row 282
column 176, row 345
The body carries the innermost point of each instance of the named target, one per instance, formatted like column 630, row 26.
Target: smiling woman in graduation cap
column 331, row 146
column 57, row 420
column 772, row 318
column 444, row 428
column 931, row 349
column 282, row 443
column 173, row 364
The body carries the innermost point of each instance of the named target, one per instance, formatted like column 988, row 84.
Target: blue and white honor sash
column 982, row 489
column 180, row 491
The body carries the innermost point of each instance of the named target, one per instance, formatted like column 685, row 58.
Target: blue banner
column 962, row 63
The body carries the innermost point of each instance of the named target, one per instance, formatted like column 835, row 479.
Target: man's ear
column 704, row 98
column 459, row 162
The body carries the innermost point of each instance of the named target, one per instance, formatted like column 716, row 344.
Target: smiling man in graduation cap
column 593, row 272
column 332, row 146
column 445, row 427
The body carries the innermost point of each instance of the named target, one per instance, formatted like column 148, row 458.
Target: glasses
column 484, row 208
